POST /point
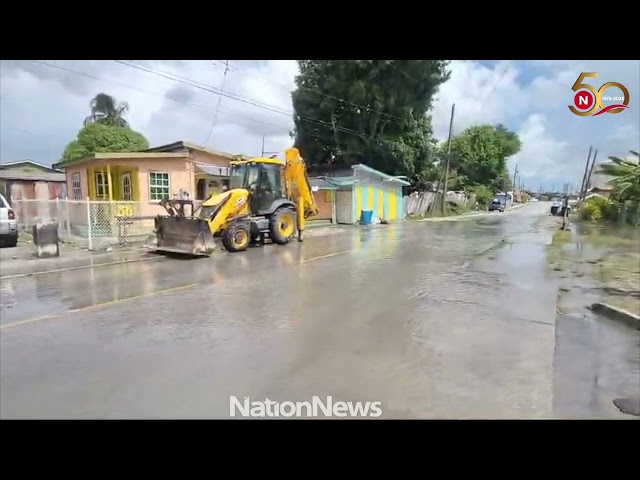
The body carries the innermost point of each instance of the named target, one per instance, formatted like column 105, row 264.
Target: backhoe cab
column 266, row 199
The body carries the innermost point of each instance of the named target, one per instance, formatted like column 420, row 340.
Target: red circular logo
column 584, row 100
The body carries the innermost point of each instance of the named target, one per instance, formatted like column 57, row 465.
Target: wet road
column 434, row 319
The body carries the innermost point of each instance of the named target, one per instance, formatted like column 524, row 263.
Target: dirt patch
column 603, row 261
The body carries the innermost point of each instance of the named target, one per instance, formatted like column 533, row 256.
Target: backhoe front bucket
column 185, row 235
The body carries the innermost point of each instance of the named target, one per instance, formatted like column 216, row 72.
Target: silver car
column 8, row 224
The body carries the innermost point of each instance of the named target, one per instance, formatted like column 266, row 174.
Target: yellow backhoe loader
column 267, row 199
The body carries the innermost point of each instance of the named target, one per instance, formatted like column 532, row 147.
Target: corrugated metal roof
column 322, row 184
column 48, row 168
column 33, row 176
column 213, row 170
column 341, row 181
column 384, row 176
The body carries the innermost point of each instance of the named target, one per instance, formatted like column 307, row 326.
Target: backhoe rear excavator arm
column 298, row 188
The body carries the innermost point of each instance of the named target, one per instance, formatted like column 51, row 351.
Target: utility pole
column 515, row 173
column 584, row 175
column 263, row 153
column 446, row 171
column 565, row 207
column 586, row 183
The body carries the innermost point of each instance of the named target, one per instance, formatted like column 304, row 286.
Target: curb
column 80, row 267
column 614, row 313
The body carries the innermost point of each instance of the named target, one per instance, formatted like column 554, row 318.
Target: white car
column 8, row 224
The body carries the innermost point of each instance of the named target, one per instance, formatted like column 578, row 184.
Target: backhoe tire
column 282, row 226
column 236, row 238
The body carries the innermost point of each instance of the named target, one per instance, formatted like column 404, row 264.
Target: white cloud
column 532, row 98
column 42, row 107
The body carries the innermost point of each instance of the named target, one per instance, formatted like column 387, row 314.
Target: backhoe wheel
column 236, row 238
column 282, row 226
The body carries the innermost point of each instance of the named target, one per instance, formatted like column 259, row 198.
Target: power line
column 126, row 85
column 317, row 92
column 239, row 98
column 496, row 84
column 183, row 80
column 215, row 118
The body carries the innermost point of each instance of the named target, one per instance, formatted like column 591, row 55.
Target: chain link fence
column 95, row 225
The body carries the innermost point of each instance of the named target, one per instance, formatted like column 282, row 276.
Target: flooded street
column 450, row 319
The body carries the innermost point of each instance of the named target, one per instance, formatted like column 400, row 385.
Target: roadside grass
column 592, row 256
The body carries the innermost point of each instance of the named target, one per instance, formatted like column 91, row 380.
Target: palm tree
column 105, row 110
column 625, row 176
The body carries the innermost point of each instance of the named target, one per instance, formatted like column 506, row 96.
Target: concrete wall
column 324, row 201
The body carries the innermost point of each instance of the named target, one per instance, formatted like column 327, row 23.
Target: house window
column 76, row 190
column 158, row 185
column 101, row 186
column 327, row 196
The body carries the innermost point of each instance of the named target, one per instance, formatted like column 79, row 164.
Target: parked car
column 8, row 224
column 496, row 205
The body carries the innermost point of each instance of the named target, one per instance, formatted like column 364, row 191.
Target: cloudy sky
column 44, row 102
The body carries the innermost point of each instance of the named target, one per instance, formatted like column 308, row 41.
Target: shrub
column 483, row 194
column 598, row 208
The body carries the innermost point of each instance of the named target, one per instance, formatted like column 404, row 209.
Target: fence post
column 89, row 223
column 68, row 219
column 57, row 218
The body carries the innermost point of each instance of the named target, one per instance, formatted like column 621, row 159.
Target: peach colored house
column 148, row 176
column 126, row 188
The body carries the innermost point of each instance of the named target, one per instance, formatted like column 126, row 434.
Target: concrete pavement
column 435, row 320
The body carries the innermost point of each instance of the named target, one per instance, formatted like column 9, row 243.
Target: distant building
column 26, row 179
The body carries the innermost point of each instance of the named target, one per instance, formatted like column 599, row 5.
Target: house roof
column 33, row 176
column 213, row 170
column 122, row 155
column 341, row 181
column 384, row 176
column 322, row 184
column 180, row 145
column 49, row 168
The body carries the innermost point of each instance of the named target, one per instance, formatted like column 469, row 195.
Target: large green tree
column 96, row 137
column 368, row 111
column 479, row 156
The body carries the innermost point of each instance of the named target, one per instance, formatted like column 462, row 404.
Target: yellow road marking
column 80, row 267
column 136, row 297
column 24, row 322
column 98, row 305
column 324, row 256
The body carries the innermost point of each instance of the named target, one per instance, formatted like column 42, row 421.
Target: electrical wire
column 239, row 98
column 376, row 145
column 496, row 84
column 215, row 118
column 194, row 105
column 317, row 92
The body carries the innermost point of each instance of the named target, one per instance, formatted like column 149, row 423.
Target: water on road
column 434, row 319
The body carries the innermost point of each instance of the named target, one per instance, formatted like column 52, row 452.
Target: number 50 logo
column 587, row 102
